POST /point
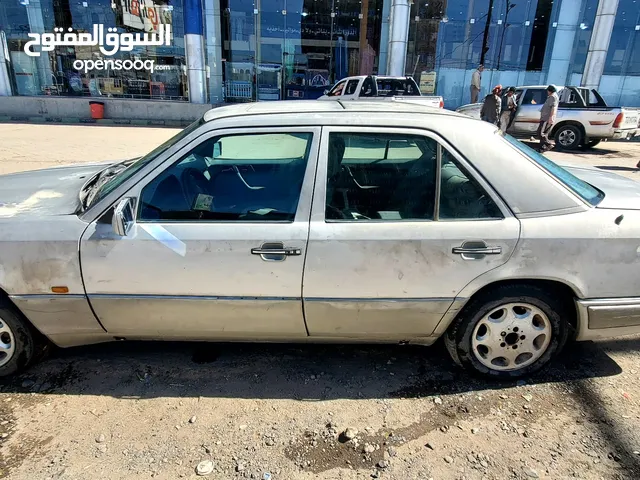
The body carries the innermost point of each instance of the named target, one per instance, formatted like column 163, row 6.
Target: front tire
column 568, row 137
column 508, row 332
column 17, row 342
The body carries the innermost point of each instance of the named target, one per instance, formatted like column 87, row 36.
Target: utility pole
column 485, row 38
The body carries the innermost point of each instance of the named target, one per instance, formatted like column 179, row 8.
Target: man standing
column 508, row 109
column 475, row 83
column 547, row 118
column 490, row 111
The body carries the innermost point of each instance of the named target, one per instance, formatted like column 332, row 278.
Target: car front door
column 399, row 226
column 217, row 243
column 336, row 91
column 527, row 116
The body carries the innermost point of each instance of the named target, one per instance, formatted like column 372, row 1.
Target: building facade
column 259, row 50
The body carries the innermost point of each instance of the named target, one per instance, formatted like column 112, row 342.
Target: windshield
column 117, row 180
column 585, row 191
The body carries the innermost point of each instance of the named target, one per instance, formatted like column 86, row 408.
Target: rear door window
column 380, row 177
column 352, row 87
column 534, row 96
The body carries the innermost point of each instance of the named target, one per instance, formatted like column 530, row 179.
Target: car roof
column 319, row 106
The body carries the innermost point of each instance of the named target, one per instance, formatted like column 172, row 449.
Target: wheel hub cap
column 511, row 337
column 7, row 343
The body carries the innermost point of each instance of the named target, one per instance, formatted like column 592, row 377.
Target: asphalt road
column 156, row 410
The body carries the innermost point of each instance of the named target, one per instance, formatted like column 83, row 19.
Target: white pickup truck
column 583, row 118
column 373, row 87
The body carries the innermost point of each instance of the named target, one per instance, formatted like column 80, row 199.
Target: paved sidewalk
column 29, row 147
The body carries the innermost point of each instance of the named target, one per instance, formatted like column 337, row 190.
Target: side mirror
column 122, row 219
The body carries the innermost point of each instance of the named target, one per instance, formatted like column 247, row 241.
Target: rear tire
column 568, row 137
column 508, row 332
column 17, row 340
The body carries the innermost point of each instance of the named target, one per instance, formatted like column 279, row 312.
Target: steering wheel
column 193, row 184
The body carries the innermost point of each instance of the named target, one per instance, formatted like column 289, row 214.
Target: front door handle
column 477, row 250
column 275, row 251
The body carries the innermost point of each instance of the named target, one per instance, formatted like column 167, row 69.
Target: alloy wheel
column 7, row 343
column 511, row 337
column 566, row 137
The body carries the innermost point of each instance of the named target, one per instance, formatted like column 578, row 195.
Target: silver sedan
column 323, row 222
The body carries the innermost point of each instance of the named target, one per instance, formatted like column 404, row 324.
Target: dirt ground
column 135, row 410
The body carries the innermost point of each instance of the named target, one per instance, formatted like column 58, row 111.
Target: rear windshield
column 585, row 191
column 397, row 87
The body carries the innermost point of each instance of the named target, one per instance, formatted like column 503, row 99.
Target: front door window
column 336, row 91
column 256, row 177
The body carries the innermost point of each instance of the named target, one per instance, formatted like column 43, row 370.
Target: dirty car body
column 317, row 221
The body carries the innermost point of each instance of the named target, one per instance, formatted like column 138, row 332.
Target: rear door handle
column 476, row 250
column 276, row 251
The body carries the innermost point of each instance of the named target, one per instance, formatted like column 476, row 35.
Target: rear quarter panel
column 587, row 251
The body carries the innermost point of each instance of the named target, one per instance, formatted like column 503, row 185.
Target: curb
column 91, row 121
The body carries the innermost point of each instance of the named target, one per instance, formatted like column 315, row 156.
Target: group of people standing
column 499, row 108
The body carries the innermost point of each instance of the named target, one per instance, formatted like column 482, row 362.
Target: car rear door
column 352, row 90
column 400, row 224
column 217, row 244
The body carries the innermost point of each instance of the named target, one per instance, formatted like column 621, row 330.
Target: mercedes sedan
column 323, row 222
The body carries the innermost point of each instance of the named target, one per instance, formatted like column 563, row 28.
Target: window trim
column 304, row 202
column 438, row 191
column 320, row 191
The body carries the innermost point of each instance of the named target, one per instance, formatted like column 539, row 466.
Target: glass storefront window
column 54, row 73
column 512, row 38
column 448, row 40
column 296, row 49
column 620, row 82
